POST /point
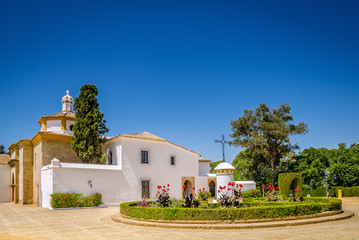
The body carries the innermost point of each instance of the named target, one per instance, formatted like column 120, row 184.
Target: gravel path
column 30, row 222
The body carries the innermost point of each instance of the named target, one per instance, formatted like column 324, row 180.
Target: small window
column 145, row 188
column 71, row 127
column 144, row 156
column 172, row 160
column 109, row 158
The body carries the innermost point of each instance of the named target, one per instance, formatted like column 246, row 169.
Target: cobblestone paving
column 29, row 222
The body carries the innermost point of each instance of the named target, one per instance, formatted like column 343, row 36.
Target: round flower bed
column 249, row 209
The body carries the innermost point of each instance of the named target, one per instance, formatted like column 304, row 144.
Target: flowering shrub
column 295, row 195
column 191, row 201
column 203, row 195
column 143, row 203
column 272, row 194
column 229, row 195
column 67, row 200
column 163, row 196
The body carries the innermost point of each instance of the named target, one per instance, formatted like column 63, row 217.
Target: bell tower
column 67, row 103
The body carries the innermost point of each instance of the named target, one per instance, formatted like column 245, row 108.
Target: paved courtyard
column 29, row 222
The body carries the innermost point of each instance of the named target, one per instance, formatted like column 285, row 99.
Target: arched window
column 187, row 189
column 212, row 188
column 109, row 158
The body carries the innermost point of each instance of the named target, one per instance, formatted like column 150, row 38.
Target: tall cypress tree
column 2, row 151
column 89, row 126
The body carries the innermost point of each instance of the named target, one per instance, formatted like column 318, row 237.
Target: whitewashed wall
column 204, row 168
column 121, row 181
column 247, row 185
column 158, row 171
column 74, row 178
column 54, row 126
column 5, row 181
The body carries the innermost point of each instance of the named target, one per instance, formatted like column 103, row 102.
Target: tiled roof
column 203, row 160
column 62, row 114
column 4, row 159
column 150, row 136
column 143, row 135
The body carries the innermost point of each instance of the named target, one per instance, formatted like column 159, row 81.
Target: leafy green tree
column 89, row 126
column 2, row 151
column 265, row 133
column 344, row 166
column 312, row 163
column 246, row 168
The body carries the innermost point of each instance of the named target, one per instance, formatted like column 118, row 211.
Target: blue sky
column 183, row 69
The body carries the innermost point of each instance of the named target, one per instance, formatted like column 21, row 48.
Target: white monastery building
column 136, row 164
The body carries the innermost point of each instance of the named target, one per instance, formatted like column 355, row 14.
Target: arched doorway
column 187, row 189
column 212, row 188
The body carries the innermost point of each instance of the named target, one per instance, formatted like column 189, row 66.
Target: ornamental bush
column 203, row 195
column 252, row 193
column 251, row 210
column 67, row 200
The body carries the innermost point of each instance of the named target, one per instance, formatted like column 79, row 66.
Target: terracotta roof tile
column 150, row 136
column 62, row 114
column 203, row 160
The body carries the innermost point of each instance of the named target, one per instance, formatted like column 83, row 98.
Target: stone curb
column 343, row 215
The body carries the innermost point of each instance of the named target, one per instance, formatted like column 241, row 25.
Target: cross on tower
column 223, row 142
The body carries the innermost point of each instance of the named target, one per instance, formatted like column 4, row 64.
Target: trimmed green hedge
column 285, row 180
column 333, row 191
column 67, row 200
column 256, row 193
column 247, row 210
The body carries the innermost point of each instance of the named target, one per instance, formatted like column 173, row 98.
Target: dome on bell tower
column 67, row 102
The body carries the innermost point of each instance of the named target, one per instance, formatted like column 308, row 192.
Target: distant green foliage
column 265, row 134
column 89, row 126
column 213, row 165
column 333, row 191
column 312, row 163
column 342, row 163
column 67, row 200
column 2, row 151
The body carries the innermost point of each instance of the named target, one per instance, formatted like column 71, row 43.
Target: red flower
column 203, row 189
column 219, row 191
column 241, row 185
column 158, row 187
column 183, row 187
column 266, row 187
column 199, row 190
column 229, row 184
column 193, row 188
column 164, row 186
column 168, row 185
column 277, row 188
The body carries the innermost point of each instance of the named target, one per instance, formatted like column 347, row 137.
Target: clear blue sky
column 183, row 69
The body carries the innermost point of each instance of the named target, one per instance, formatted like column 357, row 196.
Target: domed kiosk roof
column 224, row 166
